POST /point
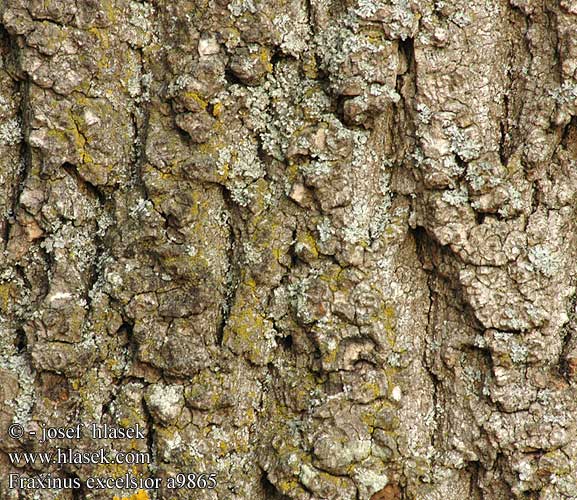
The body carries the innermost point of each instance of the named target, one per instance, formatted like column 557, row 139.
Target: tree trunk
column 322, row 249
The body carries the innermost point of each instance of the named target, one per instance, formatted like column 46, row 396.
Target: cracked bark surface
column 324, row 249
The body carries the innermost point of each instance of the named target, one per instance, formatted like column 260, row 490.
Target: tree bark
column 323, row 249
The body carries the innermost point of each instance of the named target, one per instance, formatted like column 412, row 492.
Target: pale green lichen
column 543, row 260
column 456, row 197
column 10, row 132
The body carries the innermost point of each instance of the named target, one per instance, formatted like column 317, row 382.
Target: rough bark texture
column 323, row 248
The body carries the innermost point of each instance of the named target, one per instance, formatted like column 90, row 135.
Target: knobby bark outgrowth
column 323, row 249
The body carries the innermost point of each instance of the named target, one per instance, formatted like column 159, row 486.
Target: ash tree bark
column 324, row 249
